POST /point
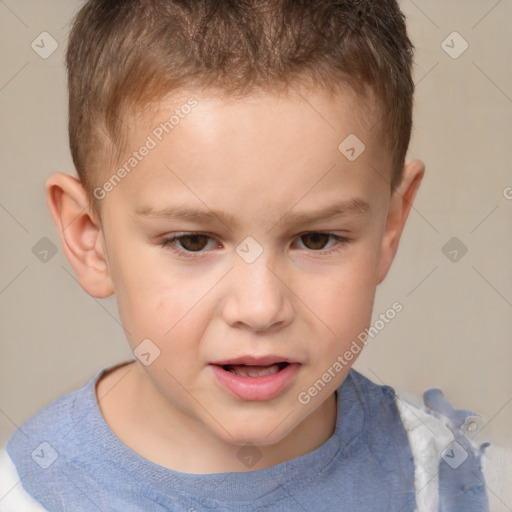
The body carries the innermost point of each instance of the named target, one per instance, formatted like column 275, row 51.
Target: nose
column 258, row 298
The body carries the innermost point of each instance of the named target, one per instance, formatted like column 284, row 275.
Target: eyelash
column 168, row 243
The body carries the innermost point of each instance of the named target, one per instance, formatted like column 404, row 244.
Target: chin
column 256, row 440
column 256, row 431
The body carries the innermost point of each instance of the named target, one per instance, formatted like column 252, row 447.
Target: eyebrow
column 354, row 206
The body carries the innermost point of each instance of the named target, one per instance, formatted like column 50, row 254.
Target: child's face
column 256, row 178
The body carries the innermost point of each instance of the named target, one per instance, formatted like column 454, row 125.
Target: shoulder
column 56, row 425
column 369, row 391
column 28, row 458
column 47, row 424
column 43, row 443
column 13, row 496
column 430, row 436
column 62, row 437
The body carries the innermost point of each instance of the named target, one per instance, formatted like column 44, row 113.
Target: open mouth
column 255, row 378
column 245, row 370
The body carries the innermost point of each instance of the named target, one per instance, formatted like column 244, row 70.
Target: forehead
column 295, row 113
column 276, row 146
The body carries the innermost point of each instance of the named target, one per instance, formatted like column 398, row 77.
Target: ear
column 399, row 208
column 80, row 233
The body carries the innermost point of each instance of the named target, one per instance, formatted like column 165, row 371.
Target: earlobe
column 399, row 208
column 80, row 233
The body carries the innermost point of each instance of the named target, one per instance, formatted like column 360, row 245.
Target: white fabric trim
column 13, row 497
column 428, row 437
column 497, row 470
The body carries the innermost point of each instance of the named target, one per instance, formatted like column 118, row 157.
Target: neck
column 152, row 427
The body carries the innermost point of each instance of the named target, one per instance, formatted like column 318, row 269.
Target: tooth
column 254, row 371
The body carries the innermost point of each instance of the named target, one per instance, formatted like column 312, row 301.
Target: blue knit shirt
column 69, row 460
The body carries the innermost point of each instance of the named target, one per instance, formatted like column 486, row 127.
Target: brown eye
column 318, row 241
column 189, row 244
column 193, row 243
column 315, row 241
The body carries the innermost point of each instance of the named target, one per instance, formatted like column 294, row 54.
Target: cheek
column 165, row 311
column 343, row 299
column 145, row 298
column 157, row 311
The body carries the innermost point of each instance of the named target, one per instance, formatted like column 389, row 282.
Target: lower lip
column 255, row 388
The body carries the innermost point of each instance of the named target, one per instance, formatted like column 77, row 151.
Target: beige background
column 454, row 330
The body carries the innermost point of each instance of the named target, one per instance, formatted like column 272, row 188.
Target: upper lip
column 254, row 361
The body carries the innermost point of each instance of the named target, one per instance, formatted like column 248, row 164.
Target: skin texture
column 261, row 160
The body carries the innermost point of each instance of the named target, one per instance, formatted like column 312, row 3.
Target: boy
column 217, row 144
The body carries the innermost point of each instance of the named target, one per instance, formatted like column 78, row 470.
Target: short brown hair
column 123, row 54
